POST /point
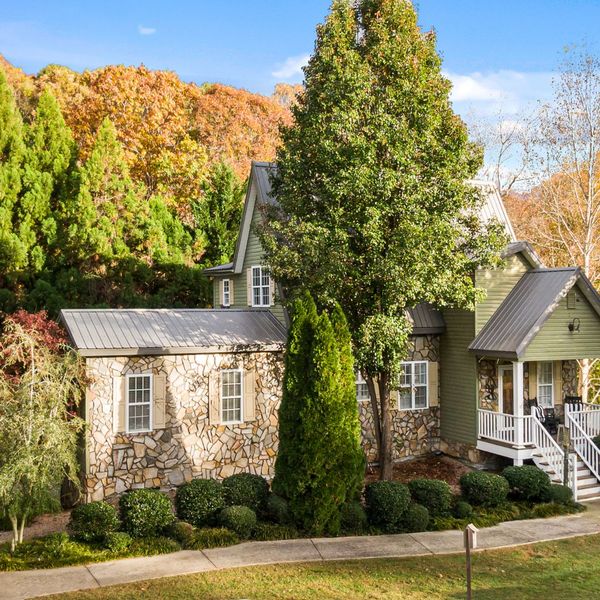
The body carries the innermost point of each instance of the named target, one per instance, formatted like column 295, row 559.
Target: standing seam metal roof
column 114, row 332
column 524, row 311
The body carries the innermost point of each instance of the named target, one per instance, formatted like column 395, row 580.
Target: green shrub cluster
column 117, row 541
column 278, row 509
column 354, row 518
column 416, row 518
column 146, row 513
column 240, row 519
column 435, row 495
column 386, row 502
column 92, row 522
column 462, row 509
column 212, row 537
column 559, row 494
column 182, row 532
column 264, row 532
column 527, row 482
column 200, row 501
column 484, row 489
column 246, row 489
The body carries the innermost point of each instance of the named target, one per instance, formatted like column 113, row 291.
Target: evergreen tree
column 217, row 214
column 12, row 150
column 319, row 463
column 372, row 181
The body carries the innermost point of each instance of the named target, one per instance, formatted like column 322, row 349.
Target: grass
column 566, row 569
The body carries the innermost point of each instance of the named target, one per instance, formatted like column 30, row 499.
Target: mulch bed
column 430, row 467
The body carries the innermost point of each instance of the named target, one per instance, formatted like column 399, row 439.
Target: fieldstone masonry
column 188, row 446
column 416, row 432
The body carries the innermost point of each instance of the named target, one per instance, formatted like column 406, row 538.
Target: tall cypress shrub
column 320, row 463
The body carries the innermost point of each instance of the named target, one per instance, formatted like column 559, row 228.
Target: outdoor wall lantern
column 574, row 324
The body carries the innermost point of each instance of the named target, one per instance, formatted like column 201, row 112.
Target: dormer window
column 261, row 287
column 226, row 293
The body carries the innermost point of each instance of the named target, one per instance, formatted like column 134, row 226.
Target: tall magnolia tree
column 39, row 389
column 375, row 209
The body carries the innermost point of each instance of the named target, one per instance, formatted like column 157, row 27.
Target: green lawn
column 567, row 569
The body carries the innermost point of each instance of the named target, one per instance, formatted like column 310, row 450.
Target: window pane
column 421, row 397
column 420, row 373
column 545, row 395
column 545, row 372
column 231, row 396
column 405, row 399
column 406, row 376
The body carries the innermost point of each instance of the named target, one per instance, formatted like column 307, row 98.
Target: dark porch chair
column 574, row 402
column 546, row 416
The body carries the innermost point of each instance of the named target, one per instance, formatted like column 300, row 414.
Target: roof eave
column 230, row 349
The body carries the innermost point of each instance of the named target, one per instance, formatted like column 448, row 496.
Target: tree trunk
column 22, row 528
column 584, row 365
column 385, row 447
column 15, row 537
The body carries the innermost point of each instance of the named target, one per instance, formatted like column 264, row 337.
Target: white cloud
column 292, row 67
column 142, row 30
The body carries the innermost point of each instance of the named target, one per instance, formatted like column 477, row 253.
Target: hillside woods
column 117, row 186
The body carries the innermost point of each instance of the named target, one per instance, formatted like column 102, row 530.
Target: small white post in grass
column 470, row 544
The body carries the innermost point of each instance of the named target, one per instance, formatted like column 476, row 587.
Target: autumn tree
column 376, row 211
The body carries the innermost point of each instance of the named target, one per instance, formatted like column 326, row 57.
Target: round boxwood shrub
column 278, row 509
column 416, row 518
column 92, row 522
column 559, row 494
column 526, row 482
column 433, row 494
column 246, row 489
column 182, row 532
column 240, row 519
column 353, row 517
column 117, row 541
column 484, row 489
column 146, row 513
column 200, row 501
column 387, row 501
column 462, row 509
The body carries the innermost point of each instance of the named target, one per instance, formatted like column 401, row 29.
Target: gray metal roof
column 426, row 319
column 226, row 268
column 263, row 172
column 126, row 332
column 493, row 207
column 526, row 249
column 524, row 311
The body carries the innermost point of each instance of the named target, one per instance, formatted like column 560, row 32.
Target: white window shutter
column 272, row 291
column 214, row 398
column 231, row 292
column 160, row 402
column 533, row 391
column 249, row 395
column 432, row 383
column 221, row 294
column 249, row 285
column 557, row 383
column 119, row 404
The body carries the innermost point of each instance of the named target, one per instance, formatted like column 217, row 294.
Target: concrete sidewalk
column 30, row 584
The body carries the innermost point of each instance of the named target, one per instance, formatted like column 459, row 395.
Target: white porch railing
column 588, row 417
column 504, row 428
column 548, row 448
column 583, row 445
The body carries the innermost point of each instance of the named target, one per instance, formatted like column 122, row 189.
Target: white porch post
column 519, row 408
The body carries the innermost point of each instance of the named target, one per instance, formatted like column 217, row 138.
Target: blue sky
column 500, row 54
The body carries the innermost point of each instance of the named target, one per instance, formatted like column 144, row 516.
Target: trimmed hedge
column 117, row 541
column 484, row 489
column 416, row 518
column 146, row 513
column 462, row 510
column 527, row 482
column 92, row 522
column 182, row 532
column 559, row 494
column 386, row 501
column 200, row 501
column 240, row 519
column 213, row 537
column 435, row 495
column 278, row 509
column 353, row 518
column 246, row 489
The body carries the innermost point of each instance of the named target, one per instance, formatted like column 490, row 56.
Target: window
column 413, row 385
column 545, row 384
column 231, row 396
column 362, row 390
column 226, row 300
column 261, row 287
column 139, row 403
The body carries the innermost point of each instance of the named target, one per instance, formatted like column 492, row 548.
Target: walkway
column 31, row 584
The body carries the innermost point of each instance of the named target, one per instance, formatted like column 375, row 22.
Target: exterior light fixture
column 574, row 325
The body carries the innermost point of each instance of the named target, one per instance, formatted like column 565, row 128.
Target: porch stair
column 588, row 487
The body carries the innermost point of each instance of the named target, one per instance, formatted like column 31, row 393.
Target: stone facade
column 416, row 432
column 189, row 445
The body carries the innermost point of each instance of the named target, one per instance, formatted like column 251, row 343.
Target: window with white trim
column 413, row 385
column 545, row 384
column 231, row 396
column 226, row 300
column 261, row 287
column 139, row 403
column 362, row 390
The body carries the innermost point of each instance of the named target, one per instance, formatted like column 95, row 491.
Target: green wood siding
column 498, row 283
column 458, row 379
column 554, row 341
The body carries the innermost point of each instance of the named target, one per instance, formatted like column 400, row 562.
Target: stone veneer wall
column 416, row 432
column 189, row 446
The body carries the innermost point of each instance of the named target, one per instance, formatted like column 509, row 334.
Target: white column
column 518, row 406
